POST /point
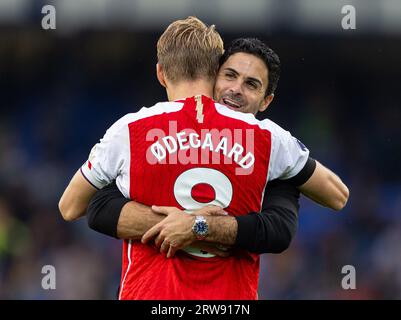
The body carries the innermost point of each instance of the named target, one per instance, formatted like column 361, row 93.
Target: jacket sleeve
column 272, row 230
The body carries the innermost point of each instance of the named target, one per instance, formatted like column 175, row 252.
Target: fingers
column 163, row 210
column 151, row 233
column 218, row 212
column 168, row 248
column 165, row 246
column 159, row 240
column 211, row 210
column 172, row 250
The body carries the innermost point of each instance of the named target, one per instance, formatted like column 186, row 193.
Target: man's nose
column 236, row 88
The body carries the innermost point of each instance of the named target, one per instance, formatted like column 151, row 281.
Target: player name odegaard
column 184, row 141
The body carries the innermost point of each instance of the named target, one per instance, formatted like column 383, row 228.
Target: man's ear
column 266, row 102
column 160, row 75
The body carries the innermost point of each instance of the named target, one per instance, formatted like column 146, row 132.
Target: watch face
column 200, row 228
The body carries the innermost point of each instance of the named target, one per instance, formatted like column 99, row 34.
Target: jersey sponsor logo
column 182, row 147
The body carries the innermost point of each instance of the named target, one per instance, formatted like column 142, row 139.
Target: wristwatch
column 200, row 228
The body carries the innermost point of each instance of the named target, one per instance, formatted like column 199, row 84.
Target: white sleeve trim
column 288, row 155
column 87, row 174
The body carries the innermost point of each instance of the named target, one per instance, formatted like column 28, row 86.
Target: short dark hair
column 261, row 50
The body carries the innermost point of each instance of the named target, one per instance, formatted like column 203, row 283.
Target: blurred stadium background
column 339, row 93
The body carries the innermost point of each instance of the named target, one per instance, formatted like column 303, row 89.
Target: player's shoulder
column 155, row 110
column 161, row 107
column 147, row 112
column 249, row 118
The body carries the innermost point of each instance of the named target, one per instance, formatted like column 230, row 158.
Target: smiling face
column 242, row 82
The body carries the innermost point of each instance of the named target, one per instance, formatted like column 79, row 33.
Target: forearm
column 270, row 231
column 222, row 229
column 76, row 197
column 135, row 219
column 326, row 188
column 110, row 213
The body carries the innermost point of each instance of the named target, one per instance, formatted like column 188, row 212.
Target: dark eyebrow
column 232, row 70
column 256, row 80
column 249, row 78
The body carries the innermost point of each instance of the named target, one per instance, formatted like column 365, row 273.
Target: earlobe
column 160, row 75
column 266, row 102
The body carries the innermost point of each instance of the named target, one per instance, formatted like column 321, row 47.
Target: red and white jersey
column 189, row 154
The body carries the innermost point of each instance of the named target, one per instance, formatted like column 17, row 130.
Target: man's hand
column 172, row 233
column 175, row 231
column 210, row 211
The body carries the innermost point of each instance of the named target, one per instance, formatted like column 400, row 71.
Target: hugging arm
column 271, row 230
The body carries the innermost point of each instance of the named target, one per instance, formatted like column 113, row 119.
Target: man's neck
column 186, row 89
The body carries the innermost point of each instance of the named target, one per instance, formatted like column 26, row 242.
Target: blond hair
column 189, row 49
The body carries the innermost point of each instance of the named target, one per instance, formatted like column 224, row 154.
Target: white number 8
column 183, row 187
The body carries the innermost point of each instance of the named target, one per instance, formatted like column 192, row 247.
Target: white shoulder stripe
column 249, row 118
column 146, row 112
